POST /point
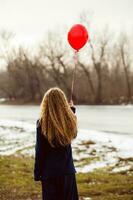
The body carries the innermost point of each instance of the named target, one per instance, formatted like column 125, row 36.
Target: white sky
column 30, row 19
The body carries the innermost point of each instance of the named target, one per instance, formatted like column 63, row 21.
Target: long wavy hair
column 57, row 120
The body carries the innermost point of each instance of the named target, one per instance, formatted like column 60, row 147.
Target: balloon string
column 74, row 73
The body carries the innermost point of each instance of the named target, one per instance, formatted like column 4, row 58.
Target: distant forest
column 104, row 72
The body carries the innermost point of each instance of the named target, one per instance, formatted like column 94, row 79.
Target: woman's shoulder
column 39, row 132
column 38, row 126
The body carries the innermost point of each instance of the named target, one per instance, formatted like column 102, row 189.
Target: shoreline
column 91, row 149
column 23, row 102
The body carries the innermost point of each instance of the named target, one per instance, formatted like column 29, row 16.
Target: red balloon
column 77, row 36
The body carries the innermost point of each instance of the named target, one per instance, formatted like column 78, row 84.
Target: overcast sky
column 30, row 19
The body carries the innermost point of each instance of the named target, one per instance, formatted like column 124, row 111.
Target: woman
column 56, row 128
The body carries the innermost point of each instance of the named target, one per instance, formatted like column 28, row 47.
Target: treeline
column 104, row 72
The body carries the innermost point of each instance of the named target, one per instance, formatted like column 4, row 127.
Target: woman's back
column 54, row 160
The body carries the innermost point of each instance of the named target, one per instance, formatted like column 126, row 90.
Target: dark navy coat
column 51, row 161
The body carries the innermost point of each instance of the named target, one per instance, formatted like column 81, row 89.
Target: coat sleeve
column 38, row 154
column 73, row 109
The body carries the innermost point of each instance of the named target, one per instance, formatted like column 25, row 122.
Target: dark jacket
column 51, row 161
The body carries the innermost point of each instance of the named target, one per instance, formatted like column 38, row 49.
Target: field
column 16, row 176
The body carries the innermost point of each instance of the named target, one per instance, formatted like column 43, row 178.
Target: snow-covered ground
column 110, row 148
column 104, row 133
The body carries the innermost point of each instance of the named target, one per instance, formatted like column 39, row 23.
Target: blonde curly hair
column 57, row 120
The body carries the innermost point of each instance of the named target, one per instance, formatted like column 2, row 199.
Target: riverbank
column 18, row 102
column 16, row 176
column 91, row 149
column 27, row 102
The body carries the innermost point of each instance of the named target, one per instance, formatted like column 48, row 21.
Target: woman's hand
column 71, row 103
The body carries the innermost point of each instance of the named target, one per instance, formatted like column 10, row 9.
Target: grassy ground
column 17, row 183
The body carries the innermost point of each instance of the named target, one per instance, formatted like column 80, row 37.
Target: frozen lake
column 118, row 119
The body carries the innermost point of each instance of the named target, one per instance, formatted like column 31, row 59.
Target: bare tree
column 99, row 59
column 53, row 59
column 124, row 50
